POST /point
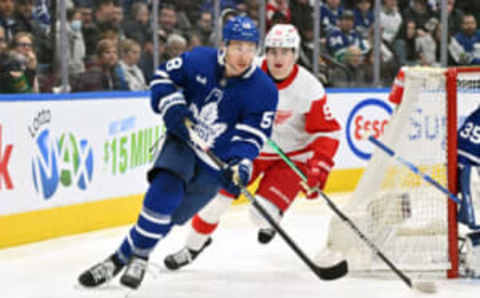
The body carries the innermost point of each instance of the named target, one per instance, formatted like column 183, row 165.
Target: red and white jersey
column 304, row 124
column 397, row 89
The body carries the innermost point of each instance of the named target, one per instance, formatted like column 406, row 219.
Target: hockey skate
column 134, row 273
column 266, row 235
column 101, row 272
column 184, row 257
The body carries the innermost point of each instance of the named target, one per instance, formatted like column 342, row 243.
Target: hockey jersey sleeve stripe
column 332, row 135
column 249, row 140
column 169, row 101
column 162, row 74
column 252, row 130
column 160, row 81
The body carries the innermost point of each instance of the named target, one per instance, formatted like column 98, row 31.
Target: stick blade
column 428, row 287
column 333, row 272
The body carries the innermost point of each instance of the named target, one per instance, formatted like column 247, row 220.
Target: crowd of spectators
column 110, row 42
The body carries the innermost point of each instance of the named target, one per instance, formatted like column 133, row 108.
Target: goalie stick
column 413, row 168
column 422, row 286
column 324, row 273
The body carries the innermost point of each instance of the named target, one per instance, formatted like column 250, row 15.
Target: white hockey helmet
column 283, row 36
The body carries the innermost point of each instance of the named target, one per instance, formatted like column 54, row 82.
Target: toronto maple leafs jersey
column 465, row 49
column 235, row 114
column 304, row 124
column 339, row 41
column 329, row 17
column 469, row 139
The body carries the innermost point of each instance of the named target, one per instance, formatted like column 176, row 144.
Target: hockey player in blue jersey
column 232, row 104
column 468, row 163
column 469, row 183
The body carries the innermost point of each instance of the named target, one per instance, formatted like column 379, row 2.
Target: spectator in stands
column 464, row 46
column 355, row 73
column 300, row 10
column 175, row 46
column 103, row 19
column 110, row 34
column 167, row 19
column 130, row 55
column 277, row 6
column 469, row 6
column 138, row 25
column 329, row 14
column 106, row 75
column 364, row 17
column 24, row 16
column 455, row 17
column 23, row 51
column 7, row 19
column 342, row 38
column 405, row 45
column 76, row 44
column 190, row 10
column 87, row 15
column 117, row 21
column 146, row 60
column 13, row 75
column 390, row 21
column 205, row 27
column 425, row 19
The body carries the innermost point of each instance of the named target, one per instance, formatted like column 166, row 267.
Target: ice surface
column 235, row 265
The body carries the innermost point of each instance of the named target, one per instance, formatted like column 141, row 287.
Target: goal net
column 412, row 222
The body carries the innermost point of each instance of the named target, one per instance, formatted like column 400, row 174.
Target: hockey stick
column 413, row 168
column 324, row 273
column 426, row 287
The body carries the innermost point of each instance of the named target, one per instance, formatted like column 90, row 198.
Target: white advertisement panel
column 76, row 149
column 57, row 152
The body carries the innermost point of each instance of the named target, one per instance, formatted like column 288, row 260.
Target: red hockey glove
column 318, row 168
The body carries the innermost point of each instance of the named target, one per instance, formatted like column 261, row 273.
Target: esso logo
column 368, row 117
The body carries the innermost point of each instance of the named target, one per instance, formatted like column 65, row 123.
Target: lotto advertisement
column 55, row 153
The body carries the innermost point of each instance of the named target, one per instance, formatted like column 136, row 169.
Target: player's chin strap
column 324, row 273
column 426, row 286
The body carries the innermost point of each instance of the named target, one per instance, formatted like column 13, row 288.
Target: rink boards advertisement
column 81, row 160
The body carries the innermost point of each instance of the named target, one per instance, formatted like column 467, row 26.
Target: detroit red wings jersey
column 304, row 124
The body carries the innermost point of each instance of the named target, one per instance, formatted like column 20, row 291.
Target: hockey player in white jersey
column 304, row 128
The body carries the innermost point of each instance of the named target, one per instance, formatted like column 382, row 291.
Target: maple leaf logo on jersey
column 282, row 116
column 207, row 128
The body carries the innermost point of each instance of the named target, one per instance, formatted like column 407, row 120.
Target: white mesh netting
column 405, row 216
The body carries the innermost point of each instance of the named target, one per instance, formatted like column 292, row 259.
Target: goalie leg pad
column 470, row 256
column 469, row 182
